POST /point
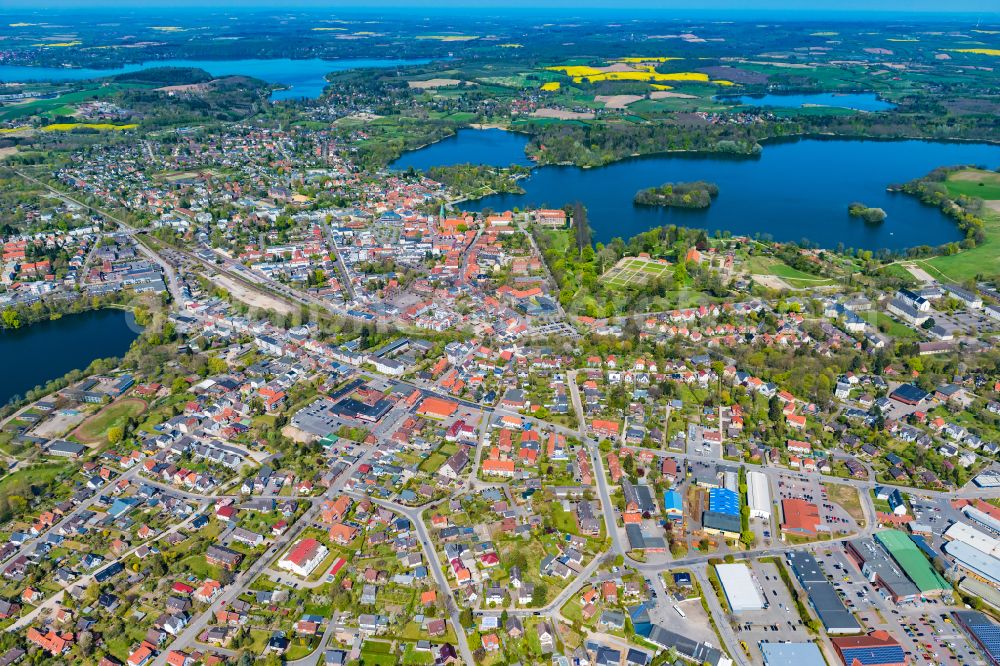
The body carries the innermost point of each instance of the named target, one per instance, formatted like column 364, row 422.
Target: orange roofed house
column 437, row 408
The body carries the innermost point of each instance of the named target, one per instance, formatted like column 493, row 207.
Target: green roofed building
column 913, row 563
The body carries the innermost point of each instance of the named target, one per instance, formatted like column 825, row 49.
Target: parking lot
column 921, row 628
column 934, row 637
column 698, row 446
column 810, row 488
column 937, row 514
column 962, row 322
column 778, row 622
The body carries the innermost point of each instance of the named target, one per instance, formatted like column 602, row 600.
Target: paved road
column 415, row 516
column 190, row 634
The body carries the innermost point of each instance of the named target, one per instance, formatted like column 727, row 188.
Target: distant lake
column 47, row 350
column 857, row 101
column 306, row 77
column 793, row 191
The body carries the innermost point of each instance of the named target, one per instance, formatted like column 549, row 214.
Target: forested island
column 696, row 194
column 870, row 215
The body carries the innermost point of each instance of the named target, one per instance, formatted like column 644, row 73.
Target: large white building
column 304, row 557
column 759, row 495
column 741, row 590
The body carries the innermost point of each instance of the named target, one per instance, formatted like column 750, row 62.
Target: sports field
column 635, row 272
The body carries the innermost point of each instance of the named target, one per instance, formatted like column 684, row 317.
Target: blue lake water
column 306, row 77
column 792, row 191
column 490, row 146
column 47, row 350
column 857, row 101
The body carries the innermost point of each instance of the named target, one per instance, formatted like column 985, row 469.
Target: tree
column 11, row 318
column 217, row 366
column 116, row 434
column 774, row 409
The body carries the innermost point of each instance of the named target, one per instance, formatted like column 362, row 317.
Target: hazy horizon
column 791, row 7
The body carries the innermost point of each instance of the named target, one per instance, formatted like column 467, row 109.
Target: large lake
column 792, row 191
column 35, row 354
column 857, row 101
column 306, row 77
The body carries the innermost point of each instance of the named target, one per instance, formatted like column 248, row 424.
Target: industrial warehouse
column 742, row 591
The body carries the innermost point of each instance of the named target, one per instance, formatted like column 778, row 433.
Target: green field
column 95, row 428
column 975, row 183
column 795, row 278
column 61, row 105
column 984, row 259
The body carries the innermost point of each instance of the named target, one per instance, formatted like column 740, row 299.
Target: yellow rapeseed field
column 550, row 86
column 989, row 52
column 56, row 44
column 66, row 127
column 639, row 72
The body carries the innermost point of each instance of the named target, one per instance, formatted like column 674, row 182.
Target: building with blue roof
column 641, row 621
column 673, row 504
column 984, row 633
column 723, row 500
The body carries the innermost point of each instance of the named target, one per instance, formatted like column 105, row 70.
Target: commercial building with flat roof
column 759, row 495
column 741, row 590
column 799, row 654
column 977, row 588
column 974, row 561
column 978, row 539
column 879, row 568
column 726, row 524
column 914, row 564
column 822, row 596
column 984, row 633
column 982, row 518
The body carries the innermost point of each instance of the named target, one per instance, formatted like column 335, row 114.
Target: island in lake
column 697, row 194
column 871, row 215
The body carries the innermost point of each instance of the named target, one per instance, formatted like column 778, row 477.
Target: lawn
column 433, row 462
column 377, row 653
column 563, row 520
column 95, row 429
column 899, row 272
column 890, row 326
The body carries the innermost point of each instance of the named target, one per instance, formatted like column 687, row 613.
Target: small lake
column 793, row 191
column 35, row 354
column 856, row 101
column 306, row 77
column 489, row 146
